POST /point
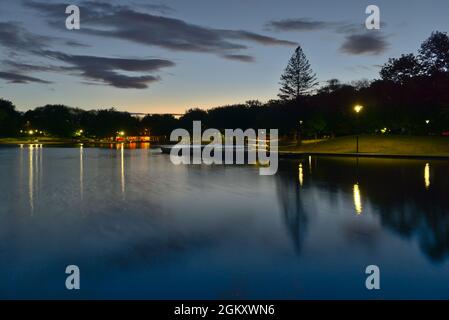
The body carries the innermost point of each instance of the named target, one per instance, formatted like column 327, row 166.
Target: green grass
column 385, row 144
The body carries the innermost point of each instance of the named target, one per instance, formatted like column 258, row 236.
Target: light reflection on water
column 300, row 174
column 31, row 177
column 122, row 168
column 357, row 199
column 220, row 231
column 427, row 176
column 81, row 172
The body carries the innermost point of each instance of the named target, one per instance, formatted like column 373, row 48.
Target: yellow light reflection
column 81, row 172
column 39, row 169
column 122, row 163
column 427, row 176
column 31, row 178
column 300, row 175
column 357, row 199
column 310, row 164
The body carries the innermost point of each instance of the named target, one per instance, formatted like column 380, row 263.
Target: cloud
column 357, row 40
column 27, row 67
column 299, row 24
column 161, row 8
column 19, row 78
column 105, row 70
column 122, row 22
column 15, row 37
column 372, row 43
column 76, row 44
column 354, row 28
column 239, row 57
column 255, row 37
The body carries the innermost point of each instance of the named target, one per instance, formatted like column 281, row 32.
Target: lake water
column 140, row 227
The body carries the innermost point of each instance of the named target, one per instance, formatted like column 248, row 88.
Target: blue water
column 140, row 227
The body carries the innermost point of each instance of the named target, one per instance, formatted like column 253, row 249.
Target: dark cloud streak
column 358, row 40
column 12, row 77
column 105, row 69
column 372, row 43
column 239, row 57
column 17, row 39
column 122, row 22
column 299, row 24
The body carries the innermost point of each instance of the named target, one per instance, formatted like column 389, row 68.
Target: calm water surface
column 140, row 227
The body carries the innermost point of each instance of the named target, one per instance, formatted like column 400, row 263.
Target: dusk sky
column 166, row 57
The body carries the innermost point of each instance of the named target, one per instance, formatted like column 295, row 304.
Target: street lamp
column 358, row 108
column 299, row 131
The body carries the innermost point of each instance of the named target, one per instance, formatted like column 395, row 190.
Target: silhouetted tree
column 106, row 123
column 331, row 86
column 159, row 125
column 58, row 120
column 9, row 119
column 194, row 114
column 401, row 69
column 360, row 84
column 298, row 78
column 434, row 53
column 253, row 103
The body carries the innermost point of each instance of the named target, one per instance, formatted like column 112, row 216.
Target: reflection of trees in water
column 407, row 204
column 295, row 216
column 409, row 201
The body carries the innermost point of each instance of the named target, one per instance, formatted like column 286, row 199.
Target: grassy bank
column 385, row 144
column 40, row 140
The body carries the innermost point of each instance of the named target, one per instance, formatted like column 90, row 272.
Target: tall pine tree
column 298, row 78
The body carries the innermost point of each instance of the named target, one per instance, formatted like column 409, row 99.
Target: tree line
column 411, row 96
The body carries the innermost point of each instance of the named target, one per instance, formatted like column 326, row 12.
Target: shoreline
column 297, row 155
column 391, row 146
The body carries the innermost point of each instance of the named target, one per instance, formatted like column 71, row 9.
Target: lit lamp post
column 358, row 108
column 427, row 126
column 299, row 131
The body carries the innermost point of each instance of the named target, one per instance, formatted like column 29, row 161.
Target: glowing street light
column 299, row 131
column 358, row 108
column 427, row 121
column 121, row 133
column 31, row 132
